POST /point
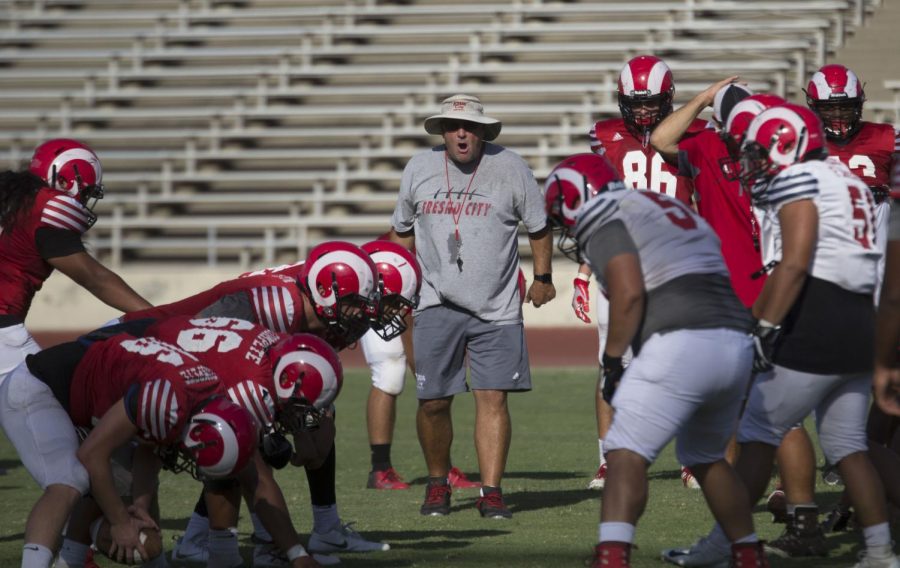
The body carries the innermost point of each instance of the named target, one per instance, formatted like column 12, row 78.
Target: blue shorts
column 443, row 337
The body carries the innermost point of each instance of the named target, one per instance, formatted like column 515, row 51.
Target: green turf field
column 553, row 455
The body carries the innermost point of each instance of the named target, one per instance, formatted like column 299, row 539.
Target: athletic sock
column 325, row 518
column 602, row 456
column 381, row 457
column 72, row 554
column 223, row 549
column 616, row 532
column 36, row 556
column 259, row 531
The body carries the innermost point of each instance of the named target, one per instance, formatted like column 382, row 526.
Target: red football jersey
column 270, row 300
column 870, row 153
column 727, row 209
column 24, row 270
column 641, row 167
column 167, row 383
column 235, row 350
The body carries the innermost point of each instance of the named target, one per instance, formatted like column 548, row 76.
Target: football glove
column 764, row 336
column 581, row 298
column 276, row 450
column 612, row 370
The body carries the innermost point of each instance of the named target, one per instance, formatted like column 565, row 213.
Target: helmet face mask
column 399, row 282
column 841, row 119
column 298, row 416
column 642, row 113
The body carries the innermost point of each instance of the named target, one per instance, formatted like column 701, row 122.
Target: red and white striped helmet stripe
column 655, row 79
column 274, row 307
column 256, row 399
column 64, row 212
column 159, row 408
column 824, row 91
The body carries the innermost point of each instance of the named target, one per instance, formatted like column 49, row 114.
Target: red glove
column 581, row 298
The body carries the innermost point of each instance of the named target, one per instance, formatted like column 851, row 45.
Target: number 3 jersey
column 845, row 252
column 235, row 350
column 161, row 384
column 686, row 280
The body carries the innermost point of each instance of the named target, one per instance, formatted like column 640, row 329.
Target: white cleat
column 344, row 539
column 703, row 554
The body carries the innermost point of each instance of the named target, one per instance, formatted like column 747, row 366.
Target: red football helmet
column 836, row 95
column 340, row 279
column 778, row 138
column 72, row 167
column 735, row 127
column 219, row 440
column 399, row 282
column 308, row 376
column 569, row 186
column 646, row 90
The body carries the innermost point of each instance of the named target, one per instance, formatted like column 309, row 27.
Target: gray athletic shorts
column 498, row 358
column 781, row 398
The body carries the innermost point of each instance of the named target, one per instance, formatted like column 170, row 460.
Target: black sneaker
column 491, row 506
column 801, row 537
column 437, row 500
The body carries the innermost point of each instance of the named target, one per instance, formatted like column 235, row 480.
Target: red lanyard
column 458, row 214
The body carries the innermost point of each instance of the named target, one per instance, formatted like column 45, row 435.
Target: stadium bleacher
column 244, row 131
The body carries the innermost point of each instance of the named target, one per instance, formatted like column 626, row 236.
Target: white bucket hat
column 467, row 108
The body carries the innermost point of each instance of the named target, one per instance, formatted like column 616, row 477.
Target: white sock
column 602, row 456
column 749, row 539
column 617, row 532
column 877, row 537
column 325, row 518
column 36, row 556
column 72, row 554
column 259, row 530
column 223, row 549
column 197, row 529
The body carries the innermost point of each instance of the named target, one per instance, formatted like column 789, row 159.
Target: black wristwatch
column 544, row 278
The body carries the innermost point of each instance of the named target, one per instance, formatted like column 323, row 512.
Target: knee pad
column 389, row 374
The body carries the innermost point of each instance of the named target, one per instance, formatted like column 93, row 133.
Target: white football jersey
column 846, row 253
column 671, row 239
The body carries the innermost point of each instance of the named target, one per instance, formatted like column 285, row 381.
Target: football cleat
column 801, row 537
column 611, row 554
column 437, row 500
column 703, row 554
column 749, row 555
column 458, row 480
column 193, row 551
column 599, row 480
column 687, row 478
column 343, row 539
column 491, row 506
column 387, row 479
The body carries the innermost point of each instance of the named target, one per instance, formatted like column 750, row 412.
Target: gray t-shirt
column 488, row 210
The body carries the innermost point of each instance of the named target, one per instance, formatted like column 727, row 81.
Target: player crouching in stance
column 815, row 319
column 670, row 297
column 121, row 388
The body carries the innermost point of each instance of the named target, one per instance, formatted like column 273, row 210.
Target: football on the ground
column 151, row 539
